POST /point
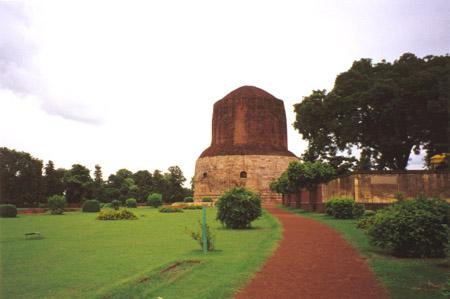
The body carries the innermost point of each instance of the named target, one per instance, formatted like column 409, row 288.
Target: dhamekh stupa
column 248, row 146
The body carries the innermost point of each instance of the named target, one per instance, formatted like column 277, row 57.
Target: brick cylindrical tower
column 248, row 147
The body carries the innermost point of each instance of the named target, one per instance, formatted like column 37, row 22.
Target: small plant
column 154, row 200
column 8, row 211
column 207, row 199
column 170, row 210
column 238, row 207
column 131, row 203
column 91, row 206
column 412, row 228
column 116, row 215
column 197, row 236
column 56, row 204
column 115, row 204
column 189, row 199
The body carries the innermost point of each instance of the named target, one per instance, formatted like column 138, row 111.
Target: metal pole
column 205, row 245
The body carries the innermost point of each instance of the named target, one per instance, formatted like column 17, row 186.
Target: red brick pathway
column 312, row 261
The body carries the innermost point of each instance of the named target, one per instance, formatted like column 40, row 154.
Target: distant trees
column 25, row 182
column 385, row 110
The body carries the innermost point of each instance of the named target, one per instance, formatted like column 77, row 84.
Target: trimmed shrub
column 193, row 207
column 154, row 200
column 238, row 207
column 343, row 208
column 197, row 236
column 358, row 210
column 131, row 203
column 115, row 204
column 170, row 210
column 56, row 204
column 412, row 228
column 189, row 199
column 116, row 215
column 91, row 206
column 207, row 199
column 8, row 211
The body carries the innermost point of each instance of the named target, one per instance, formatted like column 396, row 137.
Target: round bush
column 56, row 204
column 154, row 200
column 115, row 204
column 343, row 208
column 131, row 203
column 412, row 228
column 8, row 211
column 91, row 206
column 189, row 199
column 238, row 207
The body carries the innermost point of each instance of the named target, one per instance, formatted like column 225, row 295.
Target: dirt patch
column 312, row 261
column 179, row 264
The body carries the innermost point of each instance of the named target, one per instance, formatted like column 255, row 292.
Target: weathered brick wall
column 381, row 187
column 375, row 189
column 214, row 175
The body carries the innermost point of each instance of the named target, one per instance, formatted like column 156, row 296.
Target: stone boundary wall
column 375, row 189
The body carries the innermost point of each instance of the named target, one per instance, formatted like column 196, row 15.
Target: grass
column 404, row 278
column 81, row 257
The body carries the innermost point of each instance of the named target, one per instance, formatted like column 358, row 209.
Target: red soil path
column 312, row 261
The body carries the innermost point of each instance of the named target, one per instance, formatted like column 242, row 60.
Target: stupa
column 248, row 147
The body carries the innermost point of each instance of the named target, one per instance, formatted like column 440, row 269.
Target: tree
column 79, row 184
column 174, row 179
column 306, row 175
column 385, row 110
column 53, row 180
column 98, row 186
column 144, row 182
column 21, row 180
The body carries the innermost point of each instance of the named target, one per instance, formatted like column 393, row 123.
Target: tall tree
column 144, row 182
column 53, row 180
column 386, row 110
column 98, row 186
column 79, row 184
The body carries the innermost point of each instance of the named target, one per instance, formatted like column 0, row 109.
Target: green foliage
column 366, row 220
column 79, row 184
column 407, row 98
column 170, row 210
column 53, row 180
column 116, row 215
column 302, row 175
column 343, row 208
column 238, row 207
column 21, row 181
column 91, row 205
column 412, row 228
column 207, row 199
column 115, row 204
column 154, row 200
column 188, row 199
column 8, row 211
column 131, row 203
column 197, row 236
column 56, row 204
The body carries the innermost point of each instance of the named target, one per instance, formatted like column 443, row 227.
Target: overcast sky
column 131, row 84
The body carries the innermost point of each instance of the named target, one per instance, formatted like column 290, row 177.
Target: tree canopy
column 385, row 110
column 303, row 175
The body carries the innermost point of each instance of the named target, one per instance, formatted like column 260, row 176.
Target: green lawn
column 81, row 257
column 404, row 278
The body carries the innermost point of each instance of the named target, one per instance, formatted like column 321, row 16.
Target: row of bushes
column 191, row 199
column 408, row 228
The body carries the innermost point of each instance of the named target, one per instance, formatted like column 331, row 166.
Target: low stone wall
column 375, row 189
